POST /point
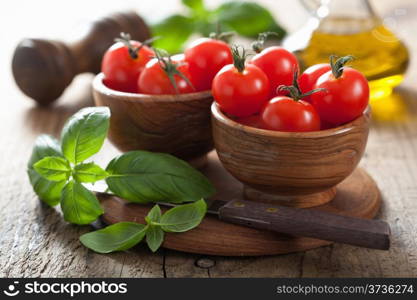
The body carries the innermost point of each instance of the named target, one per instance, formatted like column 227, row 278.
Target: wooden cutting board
column 357, row 196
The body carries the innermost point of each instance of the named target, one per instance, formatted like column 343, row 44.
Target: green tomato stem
column 339, row 64
column 239, row 57
column 133, row 51
column 170, row 68
column 259, row 44
column 294, row 90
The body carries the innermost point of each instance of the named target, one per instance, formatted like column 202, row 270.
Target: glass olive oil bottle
column 344, row 27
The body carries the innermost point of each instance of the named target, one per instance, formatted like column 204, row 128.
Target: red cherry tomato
column 286, row 114
column 206, row 57
column 179, row 58
column 154, row 79
column 345, row 99
column 121, row 70
column 308, row 79
column 252, row 121
column 324, row 125
column 278, row 64
column 241, row 94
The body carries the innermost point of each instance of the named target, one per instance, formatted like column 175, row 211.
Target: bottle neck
column 346, row 17
column 358, row 9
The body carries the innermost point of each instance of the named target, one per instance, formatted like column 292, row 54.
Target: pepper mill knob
column 43, row 69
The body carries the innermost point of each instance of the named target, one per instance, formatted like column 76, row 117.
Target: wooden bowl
column 175, row 124
column 298, row 169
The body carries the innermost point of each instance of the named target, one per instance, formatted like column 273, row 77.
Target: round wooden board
column 357, row 196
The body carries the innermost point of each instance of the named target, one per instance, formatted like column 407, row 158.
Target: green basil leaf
column 79, row 205
column 154, row 237
column 118, row 237
column 48, row 191
column 185, row 217
column 53, row 168
column 154, row 214
column 247, row 18
column 89, row 172
column 45, row 145
column 173, row 31
column 195, row 5
column 84, row 133
column 141, row 176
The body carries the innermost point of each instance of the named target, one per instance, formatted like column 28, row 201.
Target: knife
column 312, row 223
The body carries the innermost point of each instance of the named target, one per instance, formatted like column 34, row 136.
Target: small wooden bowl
column 298, row 169
column 175, row 124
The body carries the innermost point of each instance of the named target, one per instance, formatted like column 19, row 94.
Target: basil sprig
column 125, row 235
column 82, row 136
column 58, row 172
column 245, row 18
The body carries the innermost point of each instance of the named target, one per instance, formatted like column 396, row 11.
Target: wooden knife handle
column 309, row 223
column 43, row 68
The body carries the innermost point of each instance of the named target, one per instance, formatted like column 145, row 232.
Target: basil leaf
column 247, row 18
column 53, row 168
column 154, row 237
column 173, row 31
column 79, row 205
column 154, row 214
column 89, row 172
column 84, row 133
column 196, row 6
column 141, row 176
column 118, row 237
column 48, row 191
column 184, row 217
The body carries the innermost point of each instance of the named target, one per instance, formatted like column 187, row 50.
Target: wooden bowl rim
column 221, row 117
column 101, row 88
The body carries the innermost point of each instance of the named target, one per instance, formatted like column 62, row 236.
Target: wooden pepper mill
column 44, row 68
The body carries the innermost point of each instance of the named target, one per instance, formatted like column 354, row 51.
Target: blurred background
column 378, row 33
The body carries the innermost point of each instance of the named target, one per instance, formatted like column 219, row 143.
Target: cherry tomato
column 154, row 79
column 179, row 58
column 345, row 99
column 286, row 114
column 122, row 67
column 206, row 57
column 278, row 64
column 325, row 125
column 252, row 121
column 241, row 93
column 308, row 79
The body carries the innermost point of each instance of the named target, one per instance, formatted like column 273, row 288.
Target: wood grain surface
column 35, row 240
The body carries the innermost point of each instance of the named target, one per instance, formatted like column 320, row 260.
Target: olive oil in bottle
column 379, row 55
column 342, row 27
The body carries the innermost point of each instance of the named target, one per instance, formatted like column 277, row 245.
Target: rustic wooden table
column 35, row 240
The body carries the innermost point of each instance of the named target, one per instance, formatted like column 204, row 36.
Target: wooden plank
column 177, row 264
column 357, row 196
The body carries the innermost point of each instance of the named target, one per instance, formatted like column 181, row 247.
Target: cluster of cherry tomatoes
column 264, row 92
column 131, row 66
